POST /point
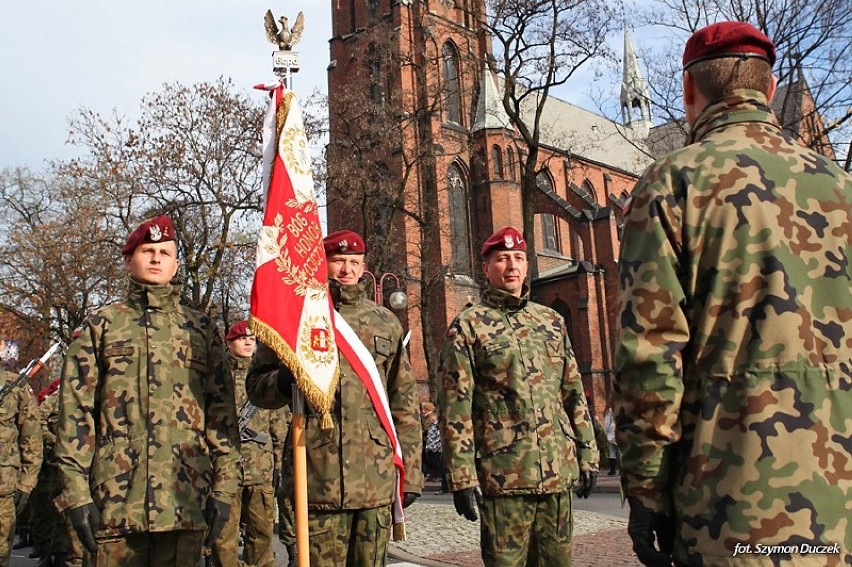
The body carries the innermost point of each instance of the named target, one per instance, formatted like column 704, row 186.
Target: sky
column 58, row 57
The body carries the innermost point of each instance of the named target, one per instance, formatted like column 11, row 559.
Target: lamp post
column 397, row 300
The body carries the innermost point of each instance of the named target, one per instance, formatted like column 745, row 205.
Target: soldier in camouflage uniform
column 351, row 475
column 147, row 445
column 515, row 425
column 734, row 359
column 20, row 457
column 253, row 508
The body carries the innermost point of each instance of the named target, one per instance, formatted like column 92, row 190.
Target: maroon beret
column 237, row 330
column 343, row 242
column 728, row 39
column 507, row 238
column 159, row 229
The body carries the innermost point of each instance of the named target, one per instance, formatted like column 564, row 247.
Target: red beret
column 728, row 39
column 507, row 238
column 158, row 229
column 343, row 242
column 237, row 330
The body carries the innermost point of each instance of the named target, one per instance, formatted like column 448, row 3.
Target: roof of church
column 489, row 109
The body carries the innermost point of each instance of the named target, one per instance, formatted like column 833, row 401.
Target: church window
column 510, row 163
column 452, row 98
column 543, row 182
column 549, row 237
column 374, row 68
column 496, row 162
column 460, row 245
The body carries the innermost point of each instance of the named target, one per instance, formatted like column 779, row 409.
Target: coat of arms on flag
column 295, row 316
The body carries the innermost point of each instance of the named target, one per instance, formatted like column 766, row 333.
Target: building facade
column 425, row 163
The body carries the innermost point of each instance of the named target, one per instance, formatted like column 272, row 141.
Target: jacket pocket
column 499, row 436
column 112, row 476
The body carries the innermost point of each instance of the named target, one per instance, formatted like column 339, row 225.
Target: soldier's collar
column 743, row 105
column 505, row 300
column 160, row 297
column 345, row 294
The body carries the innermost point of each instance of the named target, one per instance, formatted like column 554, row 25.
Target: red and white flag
column 291, row 310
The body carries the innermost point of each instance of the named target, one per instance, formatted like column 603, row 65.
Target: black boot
column 611, row 468
column 292, row 560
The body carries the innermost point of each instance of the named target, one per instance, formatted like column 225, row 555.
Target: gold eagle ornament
column 286, row 37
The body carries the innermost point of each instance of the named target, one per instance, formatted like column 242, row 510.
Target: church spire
column 635, row 101
column 489, row 109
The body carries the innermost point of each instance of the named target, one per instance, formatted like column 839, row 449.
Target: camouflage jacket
column 512, row 411
column 258, row 458
column 351, row 465
column 20, row 438
column 732, row 395
column 147, row 423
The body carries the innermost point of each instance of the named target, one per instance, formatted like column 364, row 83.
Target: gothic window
column 496, row 162
column 351, row 16
column 549, row 237
column 510, row 163
column 460, row 261
column 543, row 182
column 590, row 190
column 374, row 68
column 452, row 98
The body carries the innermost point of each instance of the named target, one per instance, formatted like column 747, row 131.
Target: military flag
column 291, row 310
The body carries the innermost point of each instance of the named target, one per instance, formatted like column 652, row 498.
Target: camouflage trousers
column 150, row 549
column 531, row 530
column 253, row 511
column 7, row 528
column 357, row 538
column 286, row 519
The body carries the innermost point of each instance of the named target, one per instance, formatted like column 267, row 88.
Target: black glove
column 466, row 501
column 588, row 480
column 644, row 527
column 408, row 498
column 216, row 514
column 276, row 482
column 86, row 520
column 21, row 499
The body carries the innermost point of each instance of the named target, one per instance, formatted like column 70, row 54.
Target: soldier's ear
column 773, row 84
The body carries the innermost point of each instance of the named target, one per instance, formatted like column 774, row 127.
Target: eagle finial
column 286, row 37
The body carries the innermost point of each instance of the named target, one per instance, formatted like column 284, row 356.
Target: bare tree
column 813, row 40
column 193, row 154
column 539, row 45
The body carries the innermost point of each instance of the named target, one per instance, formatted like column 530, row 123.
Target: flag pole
column 300, row 477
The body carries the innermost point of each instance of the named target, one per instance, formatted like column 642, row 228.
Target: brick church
column 424, row 62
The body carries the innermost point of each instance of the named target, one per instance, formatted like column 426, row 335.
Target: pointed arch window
column 374, row 69
column 510, row 163
column 496, row 162
column 452, row 98
column 460, row 245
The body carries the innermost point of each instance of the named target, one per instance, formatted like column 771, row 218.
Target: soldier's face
column 346, row 268
column 153, row 263
column 242, row 347
column 506, row 270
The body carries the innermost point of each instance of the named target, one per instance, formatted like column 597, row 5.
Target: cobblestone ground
column 436, row 532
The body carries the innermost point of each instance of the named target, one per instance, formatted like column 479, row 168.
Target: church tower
column 404, row 83
column 635, row 100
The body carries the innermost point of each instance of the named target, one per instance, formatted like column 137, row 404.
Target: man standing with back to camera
column 734, row 360
column 147, row 444
column 515, row 424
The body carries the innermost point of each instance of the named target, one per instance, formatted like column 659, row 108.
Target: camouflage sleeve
column 29, row 440
column 279, row 427
column 578, row 412
column 48, row 423
column 652, row 333
column 402, row 398
column 455, row 404
column 75, row 431
column 268, row 382
column 223, row 438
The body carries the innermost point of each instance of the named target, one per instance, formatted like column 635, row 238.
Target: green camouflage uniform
column 514, row 421
column 46, row 524
column 20, row 455
column 351, row 476
column 732, row 397
column 147, row 423
column 253, row 508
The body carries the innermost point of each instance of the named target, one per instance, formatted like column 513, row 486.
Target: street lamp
column 397, row 300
